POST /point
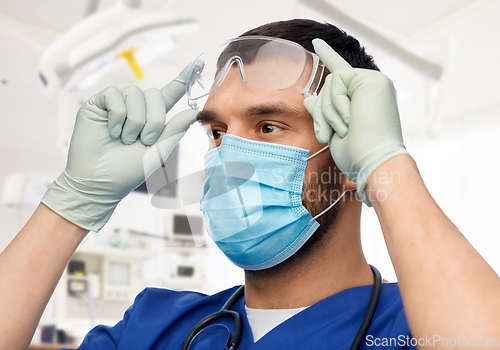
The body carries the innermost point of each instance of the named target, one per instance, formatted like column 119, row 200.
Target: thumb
column 174, row 130
column 173, row 91
column 322, row 129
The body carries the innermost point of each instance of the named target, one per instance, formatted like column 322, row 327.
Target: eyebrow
column 259, row 110
column 206, row 116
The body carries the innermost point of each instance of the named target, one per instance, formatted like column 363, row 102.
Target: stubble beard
column 318, row 193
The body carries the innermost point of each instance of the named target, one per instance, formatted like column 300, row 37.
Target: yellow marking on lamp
column 129, row 56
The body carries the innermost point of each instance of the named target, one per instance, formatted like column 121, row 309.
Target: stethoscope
column 233, row 342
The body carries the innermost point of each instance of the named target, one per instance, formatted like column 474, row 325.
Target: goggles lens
column 264, row 63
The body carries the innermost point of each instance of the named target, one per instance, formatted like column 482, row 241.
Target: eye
column 217, row 134
column 268, row 128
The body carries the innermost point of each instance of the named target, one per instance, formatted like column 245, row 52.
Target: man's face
column 260, row 115
column 281, row 118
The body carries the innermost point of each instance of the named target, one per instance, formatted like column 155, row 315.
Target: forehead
column 265, row 76
column 251, row 48
column 279, row 74
column 233, row 94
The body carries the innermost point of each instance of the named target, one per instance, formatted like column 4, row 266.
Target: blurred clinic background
column 55, row 54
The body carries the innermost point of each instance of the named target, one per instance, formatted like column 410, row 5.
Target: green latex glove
column 356, row 112
column 120, row 139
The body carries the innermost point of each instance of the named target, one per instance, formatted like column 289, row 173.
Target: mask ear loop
column 321, row 150
column 329, row 207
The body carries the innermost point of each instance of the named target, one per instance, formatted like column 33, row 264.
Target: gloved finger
column 174, row 130
column 331, row 59
column 136, row 114
column 340, row 93
column 156, row 115
column 330, row 111
column 111, row 100
column 173, row 91
column 322, row 129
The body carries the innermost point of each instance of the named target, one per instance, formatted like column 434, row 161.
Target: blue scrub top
column 161, row 319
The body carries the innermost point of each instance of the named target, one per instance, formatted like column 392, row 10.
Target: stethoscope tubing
column 372, row 306
column 233, row 342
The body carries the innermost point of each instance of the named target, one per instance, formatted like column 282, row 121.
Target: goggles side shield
column 264, row 63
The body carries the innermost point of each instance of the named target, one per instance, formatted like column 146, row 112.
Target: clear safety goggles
column 264, row 63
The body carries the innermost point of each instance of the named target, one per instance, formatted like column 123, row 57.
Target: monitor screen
column 187, row 225
column 185, row 271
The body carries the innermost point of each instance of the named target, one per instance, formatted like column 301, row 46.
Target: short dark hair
column 303, row 31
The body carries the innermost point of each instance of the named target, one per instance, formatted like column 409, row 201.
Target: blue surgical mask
column 252, row 201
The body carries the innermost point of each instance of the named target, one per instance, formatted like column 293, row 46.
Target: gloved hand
column 356, row 112
column 120, row 138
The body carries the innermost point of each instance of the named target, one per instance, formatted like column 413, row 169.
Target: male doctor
column 307, row 283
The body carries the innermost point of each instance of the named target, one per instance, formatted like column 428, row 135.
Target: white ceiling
column 404, row 17
column 459, row 34
column 60, row 15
